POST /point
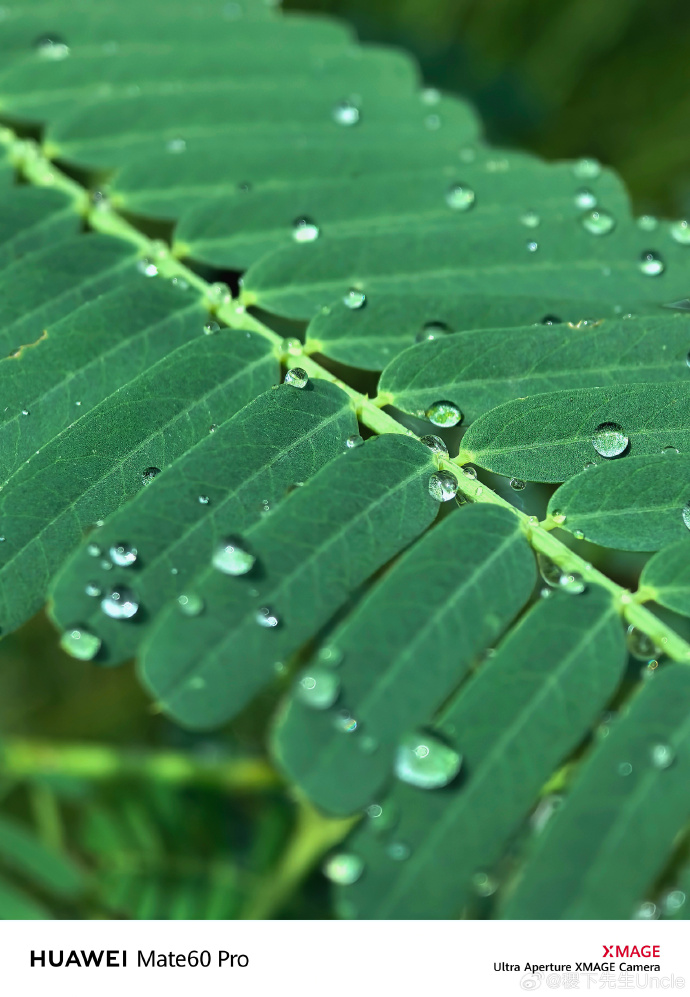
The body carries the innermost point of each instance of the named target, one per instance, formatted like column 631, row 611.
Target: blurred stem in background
column 564, row 78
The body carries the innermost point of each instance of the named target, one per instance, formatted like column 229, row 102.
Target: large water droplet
column 435, row 444
column 297, row 377
column 265, row 617
column 444, row 414
column 318, row 688
column 149, row 474
column 651, row 263
column 598, row 222
column 80, row 643
column 343, row 868
column 587, row 169
column 355, row 299
column 232, row 558
column 443, row 486
column 680, row 232
column 190, row 604
column 120, row 604
column 124, row 555
column 424, row 761
column 646, row 911
column 52, row 48
column 517, row 484
column 460, row 197
column 585, row 199
column 346, row 113
column 662, row 756
column 609, row 440
column 640, row 644
column 354, row 441
column 305, row 230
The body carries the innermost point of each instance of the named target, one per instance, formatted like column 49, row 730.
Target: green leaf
column 405, row 648
column 48, row 503
column 31, row 219
column 631, row 798
column 21, row 852
column 526, row 708
column 278, row 440
column 481, row 371
column 551, row 436
column 666, row 577
column 636, row 503
column 312, row 553
column 16, row 905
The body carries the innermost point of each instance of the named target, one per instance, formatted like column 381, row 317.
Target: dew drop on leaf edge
column 443, row 486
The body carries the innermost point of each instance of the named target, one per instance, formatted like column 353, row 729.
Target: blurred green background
column 161, row 823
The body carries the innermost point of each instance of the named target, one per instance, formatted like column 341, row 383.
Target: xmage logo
column 632, row 951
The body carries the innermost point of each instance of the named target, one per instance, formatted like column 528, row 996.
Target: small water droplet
column 318, row 688
column 531, row 246
column 530, row 219
column 232, row 558
column 587, row 168
column 218, row 295
column 572, row 583
column 149, row 474
column 672, row 901
column 443, row 486
column 265, row 617
column 624, row 769
column 426, row 762
column 686, row 514
column 124, row 555
column 609, row 440
column 120, row 604
column 444, row 414
column 346, row 113
column 680, row 232
column 640, row 644
column 176, row 145
column 430, row 96
column 51, row 47
column 545, row 593
column 25, row 411
column 398, row 851
column 291, row 347
column 470, row 472
column 305, row 230
column 662, row 756
column 204, row 500
column 648, row 223
column 460, row 197
column 651, row 263
column 80, row 643
column 343, row 868
column 93, row 550
column 585, row 199
column 431, row 331
column 345, row 722
column 297, row 377
column 330, row 655
column 558, row 517
column 646, row 911
column 517, row 484
column 354, row 441
column 435, row 444
column 374, row 811
column 483, row 884
column 549, row 570
column 670, row 450
column 211, row 328
column 147, row 267
column 433, row 122
column 93, row 589
column 190, row 604
column 578, row 534
column 355, row 299
column 598, row 222
column 551, row 320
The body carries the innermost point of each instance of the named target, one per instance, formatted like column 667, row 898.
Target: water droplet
column 424, row 761
column 52, row 48
column 291, row 347
column 204, row 500
column 232, row 558
column 545, row 593
column 624, row 769
column 572, row 583
column 435, row 444
column 374, row 811
column 585, row 199
column 648, row 223
column 460, row 197
column 551, row 320
column 305, row 230
column 25, row 411
column 149, row 474
column 578, row 534
column 354, row 441
column 318, row 688
column 443, row 486
column 398, row 851
column 190, row 605
column 431, row 331
column 670, row 450
column 672, row 901
column 211, row 328
column 432, row 122
column 147, row 267
column 265, row 507
column 686, row 514
column 120, row 604
column 123, row 555
column 517, row 484
column 598, row 222
column 651, row 264
column 587, row 169
column 93, row 589
column 93, row 550
column 355, row 299
column 640, row 645
column 346, row 113
column 531, row 219
column 265, row 617
column 330, row 655
column 345, row 722
column 531, row 246
column 107, row 565
column 343, row 868
column 218, row 294
column 297, row 377
column 483, row 885
column 609, row 440
column 680, row 232
column 662, row 756
column 444, row 414
column 549, row 570
column 430, row 96
column 212, row 428
column 176, row 145
column 646, row 911
column 558, row 517
column 80, row 643
column 470, row 472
